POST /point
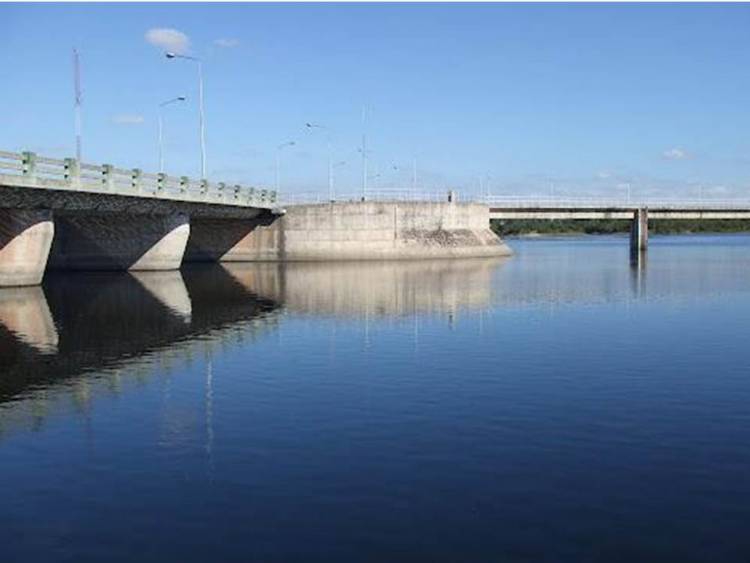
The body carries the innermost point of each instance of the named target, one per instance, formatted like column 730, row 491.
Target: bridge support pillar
column 25, row 240
column 234, row 240
column 639, row 231
column 110, row 241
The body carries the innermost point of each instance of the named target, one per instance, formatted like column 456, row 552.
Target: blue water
column 566, row 404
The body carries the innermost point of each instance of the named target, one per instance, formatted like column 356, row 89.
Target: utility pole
column 78, row 99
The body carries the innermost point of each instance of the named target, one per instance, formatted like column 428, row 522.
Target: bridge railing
column 532, row 202
column 28, row 169
column 370, row 195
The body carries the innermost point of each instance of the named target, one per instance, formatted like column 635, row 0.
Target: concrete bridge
column 70, row 215
column 638, row 212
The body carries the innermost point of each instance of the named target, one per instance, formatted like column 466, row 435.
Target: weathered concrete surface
column 233, row 240
column 373, row 231
column 25, row 241
column 119, row 242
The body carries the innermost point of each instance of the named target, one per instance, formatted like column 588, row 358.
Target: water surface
column 566, row 404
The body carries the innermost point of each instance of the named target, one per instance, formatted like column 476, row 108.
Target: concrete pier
column 372, row 231
column 639, row 231
column 119, row 242
column 25, row 240
column 233, row 240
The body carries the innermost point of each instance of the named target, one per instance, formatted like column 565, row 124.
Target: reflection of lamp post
column 331, row 193
column 171, row 55
column 161, row 129
column 328, row 147
column 278, row 161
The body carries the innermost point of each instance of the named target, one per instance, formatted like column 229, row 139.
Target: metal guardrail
column 383, row 195
column 27, row 169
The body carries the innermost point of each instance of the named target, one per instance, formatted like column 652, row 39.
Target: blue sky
column 584, row 97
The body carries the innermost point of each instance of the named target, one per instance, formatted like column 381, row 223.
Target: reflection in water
column 373, row 288
column 169, row 288
column 638, row 264
column 547, row 419
column 24, row 312
column 109, row 324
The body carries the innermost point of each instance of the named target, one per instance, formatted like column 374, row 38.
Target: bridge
column 639, row 212
column 71, row 215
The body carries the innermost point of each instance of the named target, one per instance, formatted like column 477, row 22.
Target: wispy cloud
column 675, row 153
column 603, row 175
column 169, row 39
column 127, row 119
column 227, row 42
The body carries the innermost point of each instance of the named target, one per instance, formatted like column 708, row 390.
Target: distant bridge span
column 638, row 212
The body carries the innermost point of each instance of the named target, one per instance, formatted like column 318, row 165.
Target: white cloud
column 127, row 119
column 675, row 154
column 227, row 42
column 169, row 39
column 603, row 175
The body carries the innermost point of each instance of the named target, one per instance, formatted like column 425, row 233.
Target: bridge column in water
column 25, row 240
column 639, row 231
column 110, row 241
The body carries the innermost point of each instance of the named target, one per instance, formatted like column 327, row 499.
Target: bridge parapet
column 29, row 170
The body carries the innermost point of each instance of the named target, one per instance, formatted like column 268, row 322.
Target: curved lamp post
column 171, row 55
column 161, row 129
column 278, row 161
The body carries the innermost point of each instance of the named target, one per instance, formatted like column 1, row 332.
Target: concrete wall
column 372, row 231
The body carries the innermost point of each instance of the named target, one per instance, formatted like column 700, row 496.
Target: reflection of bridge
column 105, row 218
column 93, row 322
column 77, row 335
column 638, row 212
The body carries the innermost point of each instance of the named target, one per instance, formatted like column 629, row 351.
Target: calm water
column 562, row 405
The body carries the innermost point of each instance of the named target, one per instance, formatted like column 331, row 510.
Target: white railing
column 30, row 170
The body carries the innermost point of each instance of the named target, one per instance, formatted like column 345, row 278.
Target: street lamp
column 171, row 55
column 161, row 129
column 278, row 161
column 328, row 147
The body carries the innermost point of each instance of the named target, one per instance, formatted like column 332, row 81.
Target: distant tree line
column 610, row 226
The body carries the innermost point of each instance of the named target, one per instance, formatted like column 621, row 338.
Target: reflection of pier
column 93, row 322
column 373, row 288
